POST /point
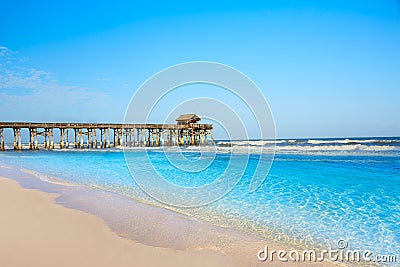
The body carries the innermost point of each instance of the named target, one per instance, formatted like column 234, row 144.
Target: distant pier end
column 186, row 132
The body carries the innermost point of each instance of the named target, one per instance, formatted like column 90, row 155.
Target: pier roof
column 188, row 118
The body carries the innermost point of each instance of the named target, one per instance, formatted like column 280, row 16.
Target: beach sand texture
column 35, row 231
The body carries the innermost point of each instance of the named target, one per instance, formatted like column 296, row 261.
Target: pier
column 187, row 132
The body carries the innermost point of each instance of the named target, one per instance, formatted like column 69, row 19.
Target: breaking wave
column 348, row 145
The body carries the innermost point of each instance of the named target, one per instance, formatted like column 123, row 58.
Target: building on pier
column 186, row 119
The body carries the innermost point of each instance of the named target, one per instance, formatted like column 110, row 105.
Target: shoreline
column 35, row 231
column 155, row 226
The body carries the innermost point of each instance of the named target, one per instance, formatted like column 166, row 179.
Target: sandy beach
column 37, row 232
column 57, row 224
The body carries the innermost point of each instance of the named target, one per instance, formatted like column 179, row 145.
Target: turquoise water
column 317, row 192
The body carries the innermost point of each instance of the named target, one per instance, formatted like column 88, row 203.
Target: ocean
column 317, row 191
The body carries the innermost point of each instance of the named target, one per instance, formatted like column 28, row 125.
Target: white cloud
column 14, row 75
column 32, row 94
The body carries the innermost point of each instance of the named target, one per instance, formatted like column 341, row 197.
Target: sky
column 326, row 68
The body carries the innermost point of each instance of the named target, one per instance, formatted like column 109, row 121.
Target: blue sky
column 327, row 68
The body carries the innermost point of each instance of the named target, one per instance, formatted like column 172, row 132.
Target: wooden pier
column 186, row 132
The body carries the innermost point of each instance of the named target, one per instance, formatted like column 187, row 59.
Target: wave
column 369, row 147
column 337, row 148
column 250, row 143
column 353, row 141
column 357, row 149
column 310, row 142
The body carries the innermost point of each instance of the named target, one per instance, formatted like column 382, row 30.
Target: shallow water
column 317, row 192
